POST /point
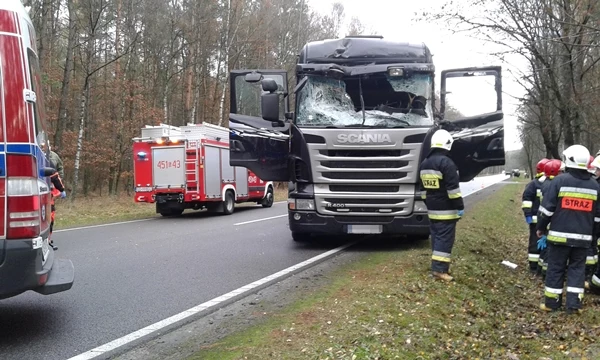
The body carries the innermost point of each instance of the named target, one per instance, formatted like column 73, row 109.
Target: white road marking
column 257, row 220
column 215, row 303
column 218, row 301
column 102, row 225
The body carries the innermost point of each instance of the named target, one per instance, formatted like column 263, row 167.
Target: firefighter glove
column 461, row 213
column 63, row 195
column 529, row 219
column 541, row 243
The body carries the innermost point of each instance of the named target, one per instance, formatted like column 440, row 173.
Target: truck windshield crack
column 388, row 102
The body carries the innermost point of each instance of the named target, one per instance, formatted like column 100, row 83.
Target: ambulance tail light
column 23, row 197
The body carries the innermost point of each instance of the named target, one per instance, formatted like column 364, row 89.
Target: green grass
column 388, row 307
column 96, row 210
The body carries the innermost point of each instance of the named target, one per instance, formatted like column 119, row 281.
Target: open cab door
column 471, row 109
column 259, row 134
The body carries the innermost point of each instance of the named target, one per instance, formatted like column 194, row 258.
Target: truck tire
column 228, row 203
column 268, row 200
column 301, row 237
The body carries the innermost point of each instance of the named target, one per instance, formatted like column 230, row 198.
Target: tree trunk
column 66, row 85
column 85, row 94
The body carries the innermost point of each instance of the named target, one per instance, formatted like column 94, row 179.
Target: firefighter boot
column 543, row 307
column 442, row 276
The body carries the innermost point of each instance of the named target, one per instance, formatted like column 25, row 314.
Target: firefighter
column 591, row 261
column 551, row 170
column 440, row 180
column 58, row 190
column 531, row 202
column 55, row 160
column 571, row 209
column 595, row 279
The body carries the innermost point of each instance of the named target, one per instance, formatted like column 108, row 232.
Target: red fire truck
column 187, row 167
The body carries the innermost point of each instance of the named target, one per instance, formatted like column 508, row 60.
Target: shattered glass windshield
column 388, row 102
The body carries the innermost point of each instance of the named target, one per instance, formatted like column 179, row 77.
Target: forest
column 112, row 66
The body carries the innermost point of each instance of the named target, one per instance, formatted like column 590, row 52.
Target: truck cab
column 27, row 262
column 361, row 126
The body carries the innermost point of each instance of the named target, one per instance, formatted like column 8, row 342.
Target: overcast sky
column 396, row 20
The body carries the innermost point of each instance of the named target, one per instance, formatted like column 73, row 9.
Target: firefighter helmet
column 576, row 157
column 442, row 139
column 552, row 168
column 539, row 168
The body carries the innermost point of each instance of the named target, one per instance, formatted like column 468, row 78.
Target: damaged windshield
column 388, row 102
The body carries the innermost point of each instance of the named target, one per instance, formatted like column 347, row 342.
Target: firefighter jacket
column 570, row 206
column 440, row 181
column 532, row 197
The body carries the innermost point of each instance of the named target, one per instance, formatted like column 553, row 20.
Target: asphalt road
column 131, row 275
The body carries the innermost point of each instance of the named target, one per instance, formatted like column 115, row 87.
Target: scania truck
column 365, row 110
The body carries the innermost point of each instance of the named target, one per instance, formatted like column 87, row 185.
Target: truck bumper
column 21, row 269
column 314, row 223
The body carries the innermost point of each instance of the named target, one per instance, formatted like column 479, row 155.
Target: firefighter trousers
column 533, row 252
column 570, row 261
column 442, row 241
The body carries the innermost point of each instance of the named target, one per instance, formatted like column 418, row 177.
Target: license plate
column 365, row 229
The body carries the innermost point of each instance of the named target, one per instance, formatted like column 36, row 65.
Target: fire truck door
column 241, row 181
column 226, row 169
column 212, row 175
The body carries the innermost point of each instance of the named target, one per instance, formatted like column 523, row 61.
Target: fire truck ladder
column 191, row 166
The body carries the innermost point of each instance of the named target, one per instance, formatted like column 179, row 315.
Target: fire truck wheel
column 228, row 204
column 171, row 212
column 267, row 202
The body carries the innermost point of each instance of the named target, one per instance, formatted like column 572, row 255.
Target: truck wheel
column 171, row 212
column 267, row 202
column 301, row 237
column 229, row 203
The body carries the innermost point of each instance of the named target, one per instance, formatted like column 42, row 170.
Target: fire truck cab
column 27, row 262
column 187, row 167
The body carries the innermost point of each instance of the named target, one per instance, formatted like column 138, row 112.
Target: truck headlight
column 420, row 206
column 303, row 204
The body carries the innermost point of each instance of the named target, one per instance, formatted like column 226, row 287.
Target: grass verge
column 387, row 306
column 96, row 210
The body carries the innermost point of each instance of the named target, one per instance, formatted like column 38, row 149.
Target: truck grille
column 371, row 180
column 362, row 205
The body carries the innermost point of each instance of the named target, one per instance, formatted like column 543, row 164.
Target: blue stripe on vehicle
column 23, row 149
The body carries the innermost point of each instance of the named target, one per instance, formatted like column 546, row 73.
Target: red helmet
column 540, row 165
column 552, row 168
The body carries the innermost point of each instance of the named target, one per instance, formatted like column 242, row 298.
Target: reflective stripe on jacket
column 532, row 197
column 440, row 182
column 570, row 205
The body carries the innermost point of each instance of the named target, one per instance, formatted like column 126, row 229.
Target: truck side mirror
column 270, row 107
